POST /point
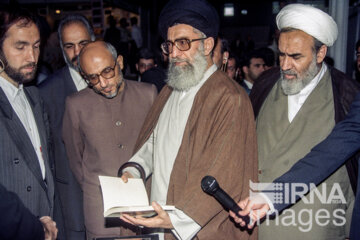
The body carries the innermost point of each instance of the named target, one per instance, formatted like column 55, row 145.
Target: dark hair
column 236, row 58
column 357, row 45
column 11, row 16
column 133, row 21
column 123, row 22
column 146, row 53
column 74, row 18
column 250, row 55
column 224, row 45
column 269, row 56
column 112, row 21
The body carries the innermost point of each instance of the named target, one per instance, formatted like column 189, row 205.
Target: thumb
column 158, row 209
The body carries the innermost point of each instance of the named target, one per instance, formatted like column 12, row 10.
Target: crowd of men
column 201, row 110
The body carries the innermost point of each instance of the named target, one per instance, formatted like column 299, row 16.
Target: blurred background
column 245, row 24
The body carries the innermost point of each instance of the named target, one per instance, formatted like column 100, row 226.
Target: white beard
column 294, row 86
column 182, row 78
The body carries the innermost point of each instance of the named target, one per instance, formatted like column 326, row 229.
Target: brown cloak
column 219, row 140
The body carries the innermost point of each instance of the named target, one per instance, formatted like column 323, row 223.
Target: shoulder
column 81, row 96
column 33, row 91
column 266, row 80
column 55, row 79
column 141, row 88
column 341, row 78
column 344, row 87
column 219, row 87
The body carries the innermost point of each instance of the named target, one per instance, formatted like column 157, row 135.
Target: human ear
column 321, row 54
column 209, row 44
column 120, row 61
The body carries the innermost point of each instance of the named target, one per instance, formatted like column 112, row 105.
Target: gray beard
column 294, row 86
column 182, row 78
column 69, row 63
column 118, row 85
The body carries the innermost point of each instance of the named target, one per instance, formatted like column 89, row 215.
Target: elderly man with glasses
column 201, row 124
column 100, row 127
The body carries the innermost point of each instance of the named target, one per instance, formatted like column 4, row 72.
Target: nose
column 285, row 63
column 31, row 55
column 175, row 52
column 77, row 49
column 103, row 82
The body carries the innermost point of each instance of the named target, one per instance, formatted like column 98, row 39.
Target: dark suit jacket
column 344, row 90
column 19, row 165
column 17, row 222
column 54, row 91
column 247, row 89
column 341, row 144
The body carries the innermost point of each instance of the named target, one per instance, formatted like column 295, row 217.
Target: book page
column 130, row 197
column 116, row 193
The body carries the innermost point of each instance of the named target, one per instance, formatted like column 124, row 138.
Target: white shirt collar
column 296, row 101
column 248, row 84
column 78, row 80
column 9, row 89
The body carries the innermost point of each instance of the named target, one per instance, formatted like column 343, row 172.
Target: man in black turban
column 199, row 125
column 198, row 14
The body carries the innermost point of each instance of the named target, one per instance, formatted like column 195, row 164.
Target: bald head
column 101, row 68
column 97, row 50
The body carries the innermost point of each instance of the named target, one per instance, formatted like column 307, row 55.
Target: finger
column 124, row 178
column 243, row 203
column 158, row 209
column 139, row 221
column 125, row 219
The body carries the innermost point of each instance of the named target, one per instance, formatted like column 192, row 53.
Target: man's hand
column 256, row 208
column 49, row 228
column 161, row 220
column 125, row 176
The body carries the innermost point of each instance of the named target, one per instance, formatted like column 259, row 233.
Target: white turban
column 310, row 20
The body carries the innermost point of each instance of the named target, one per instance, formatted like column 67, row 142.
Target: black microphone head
column 209, row 185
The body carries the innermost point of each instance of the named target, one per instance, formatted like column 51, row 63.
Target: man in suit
column 252, row 66
column 19, row 223
column 200, row 124
column 74, row 33
column 315, row 167
column 100, row 127
column 24, row 131
column 296, row 107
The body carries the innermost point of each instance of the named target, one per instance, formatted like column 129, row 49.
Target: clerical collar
column 296, row 101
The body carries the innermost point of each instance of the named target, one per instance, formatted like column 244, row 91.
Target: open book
column 130, row 198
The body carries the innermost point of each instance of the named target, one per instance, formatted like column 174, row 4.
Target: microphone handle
column 230, row 204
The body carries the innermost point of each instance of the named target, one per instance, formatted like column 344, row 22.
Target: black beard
column 17, row 76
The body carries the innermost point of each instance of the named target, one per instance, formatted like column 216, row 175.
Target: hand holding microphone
column 211, row 187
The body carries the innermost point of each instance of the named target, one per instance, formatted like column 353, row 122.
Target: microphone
column 211, row 187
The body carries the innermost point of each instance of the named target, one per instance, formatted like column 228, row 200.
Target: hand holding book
column 130, row 197
column 161, row 220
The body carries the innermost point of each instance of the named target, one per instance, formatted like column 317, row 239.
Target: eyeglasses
column 183, row 44
column 93, row 79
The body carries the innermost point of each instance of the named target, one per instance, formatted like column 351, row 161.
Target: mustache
column 33, row 65
column 289, row 72
column 178, row 60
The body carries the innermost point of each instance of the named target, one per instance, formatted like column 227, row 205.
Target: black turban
column 196, row 13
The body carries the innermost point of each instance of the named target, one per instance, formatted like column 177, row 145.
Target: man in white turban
column 296, row 106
